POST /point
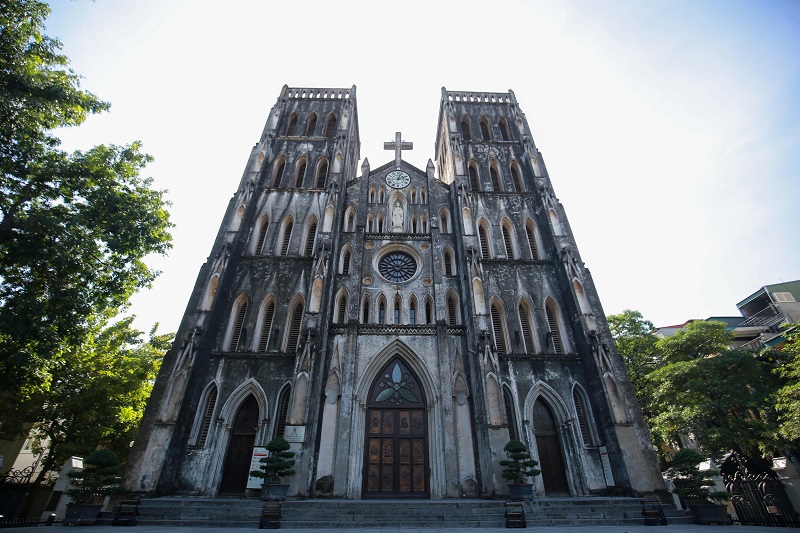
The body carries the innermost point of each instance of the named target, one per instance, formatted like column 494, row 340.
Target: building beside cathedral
column 399, row 325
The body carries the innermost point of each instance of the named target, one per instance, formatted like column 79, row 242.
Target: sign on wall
column 255, row 464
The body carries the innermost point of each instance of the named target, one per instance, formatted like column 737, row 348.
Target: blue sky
column 670, row 129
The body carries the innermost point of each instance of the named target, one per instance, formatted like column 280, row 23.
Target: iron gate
column 759, row 498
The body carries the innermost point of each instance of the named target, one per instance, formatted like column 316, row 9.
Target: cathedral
column 397, row 325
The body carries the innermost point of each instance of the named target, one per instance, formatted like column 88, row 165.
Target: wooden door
column 548, row 444
column 236, row 469
column 396, row 439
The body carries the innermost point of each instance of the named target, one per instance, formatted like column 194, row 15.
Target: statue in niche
column 397, row 216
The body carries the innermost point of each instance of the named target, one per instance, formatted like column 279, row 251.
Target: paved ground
column 550, row 529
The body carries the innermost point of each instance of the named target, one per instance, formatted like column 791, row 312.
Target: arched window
column 497, row 327
column 277, row 175
column 474, row 182
column 365, row 310
column 453, row 317
column 444, row 221
column 211, row 292
column 424, row 224
column 517, row 178
column 322, row 174
column 501, row 122
column 413, row 195
column 285, row 235
column 508, row 239
column 447, row 259
column 350, row 219
column 495, row 178
column 237, row 218
column 311, row 235
column 551, row 310
column 369, row 223
column 330, row 126
column 483, row 238
column 291, row 127
column 485, row 130
column 293, row 329
column 428, row 310
column 510, row 418
column 283, row 411
column 311, row 125
column 412, row 310
column 555, row 222
column 344, row 264
column 422, row 198
column 208, row 415
column 381, row 309
column 381, row 194
column 239, row 312
column 268, row 314
column 525, row 326
column 465, row 131
column 583, row 301
column 397, row 305
column 379, row 226
column 300, row 173
column 263, row 225
column 581, row 412
column 413, row 223
column 530, row 231
column 372, row 194
column 341, row 308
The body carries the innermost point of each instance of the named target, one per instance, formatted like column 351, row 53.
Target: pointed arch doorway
column 236, row 470
column 396, row 436
column 548, row 444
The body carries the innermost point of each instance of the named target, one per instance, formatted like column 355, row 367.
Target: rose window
column 397, row 266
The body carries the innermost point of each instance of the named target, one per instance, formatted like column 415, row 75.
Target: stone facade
column 402, row 324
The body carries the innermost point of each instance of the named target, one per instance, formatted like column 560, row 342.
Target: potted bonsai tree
column 276, row 465
column 519, row 468
column 693, row 487
column 99, row 478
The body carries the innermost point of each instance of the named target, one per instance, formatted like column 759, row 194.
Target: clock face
column 397, row 179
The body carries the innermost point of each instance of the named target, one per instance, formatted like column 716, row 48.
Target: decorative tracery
column 397, row 266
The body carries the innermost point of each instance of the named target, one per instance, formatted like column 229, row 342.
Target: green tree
column 701, row 338
column 74, row 228
column 95, row 395
column 692, row 384
column 788, row 396
column 722, row 400
column 636, row 343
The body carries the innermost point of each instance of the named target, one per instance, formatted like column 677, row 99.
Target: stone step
column 222, row 512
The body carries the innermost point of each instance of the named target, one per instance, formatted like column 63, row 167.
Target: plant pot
column 710, row 513
column 81, row 514
column 520, row 491
column 274, row 492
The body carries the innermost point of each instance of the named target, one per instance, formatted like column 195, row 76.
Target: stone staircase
column 599, row 511
column 341, row 514
column 200, row 512
column 392, row 513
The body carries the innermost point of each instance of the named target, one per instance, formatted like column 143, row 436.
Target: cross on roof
column 398, row 146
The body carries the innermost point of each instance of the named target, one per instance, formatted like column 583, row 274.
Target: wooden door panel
column 395, row 462
column 551, row 464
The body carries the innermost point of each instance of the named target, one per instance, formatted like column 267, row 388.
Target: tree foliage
column 74, row 227
column 721, row 400
column 95, row 394
column 788, row 397
column 100, row 477
column 278, row 464
column 636, row 343
column 693, row 384
column 520, row 466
